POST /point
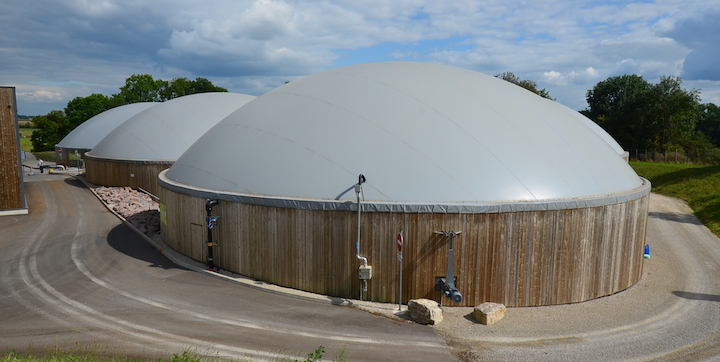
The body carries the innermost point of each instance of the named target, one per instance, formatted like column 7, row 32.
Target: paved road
column 672, row 314
column 72, row 276
column 70, row 273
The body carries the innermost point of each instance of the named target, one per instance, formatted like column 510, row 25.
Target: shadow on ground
column 126, row 241
column 677, row 217
column 697, row 296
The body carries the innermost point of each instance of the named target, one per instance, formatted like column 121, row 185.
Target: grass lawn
column 25, row 134
column 47, row 156
column 26, row 146
column 698, row 185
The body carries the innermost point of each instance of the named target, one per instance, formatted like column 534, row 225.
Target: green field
column 26, row 146
column 697, row 185
column 25, row 134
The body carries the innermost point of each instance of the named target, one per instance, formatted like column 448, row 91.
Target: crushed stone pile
column 138, row 208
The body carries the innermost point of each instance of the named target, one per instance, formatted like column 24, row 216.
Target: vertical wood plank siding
column 519, row 259
column 107, row 172
column 10, row 187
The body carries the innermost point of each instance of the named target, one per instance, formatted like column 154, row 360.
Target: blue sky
column 55, row 50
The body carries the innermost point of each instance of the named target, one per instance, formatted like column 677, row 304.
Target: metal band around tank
column 408, row 207
column 90, row 156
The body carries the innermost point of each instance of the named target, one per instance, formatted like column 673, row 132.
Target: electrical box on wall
column 365, row 272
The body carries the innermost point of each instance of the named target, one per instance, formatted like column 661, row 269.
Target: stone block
column 425, row 311
column 489, row 313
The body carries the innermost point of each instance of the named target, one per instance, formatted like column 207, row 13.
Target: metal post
column 400, row 243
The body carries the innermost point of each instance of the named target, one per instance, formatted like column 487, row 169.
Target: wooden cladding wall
column 10, row 181
column 106, row 172
column 519, row 259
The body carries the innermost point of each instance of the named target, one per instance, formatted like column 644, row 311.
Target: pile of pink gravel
column 138, row 208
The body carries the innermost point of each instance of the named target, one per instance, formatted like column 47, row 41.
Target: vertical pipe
column 358, row 190
column 210, row 224
column 449, row 288
column 450, row 275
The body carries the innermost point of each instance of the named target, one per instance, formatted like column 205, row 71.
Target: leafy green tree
column 142, row 88
column 620, row 106
column 673, row 114
column 530, row 85
column 137, row 88
column 202, row 85
column 709, row 122
column 179, row 87
column 49, row 131
column 80, row 109
column 639, row 115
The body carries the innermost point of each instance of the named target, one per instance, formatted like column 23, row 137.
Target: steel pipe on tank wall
column 210, row 224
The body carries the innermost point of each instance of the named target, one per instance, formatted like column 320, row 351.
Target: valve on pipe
column 448, row 283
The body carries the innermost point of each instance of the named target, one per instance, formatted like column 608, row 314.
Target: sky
column 52, row 51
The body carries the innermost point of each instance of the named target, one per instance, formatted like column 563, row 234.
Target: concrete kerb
column 385, row 309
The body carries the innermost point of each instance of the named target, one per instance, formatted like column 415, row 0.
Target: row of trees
column 54, row 126
column 661, row 117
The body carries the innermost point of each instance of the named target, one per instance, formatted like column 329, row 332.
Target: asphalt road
column 73, row 277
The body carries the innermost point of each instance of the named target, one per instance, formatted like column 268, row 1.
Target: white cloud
column 40, row 96
column 581, row 77
column 254, row 45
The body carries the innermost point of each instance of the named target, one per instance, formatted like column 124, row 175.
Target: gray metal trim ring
column 405, row 207
column 89, row 156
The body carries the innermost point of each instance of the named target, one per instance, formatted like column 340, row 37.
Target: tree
column 138, row 88
column 641, row 115
column 673, row 113
column 620, row 106
column 179, row 87
column 49, row 131
column 80, row 109
column 709, row 122
column 142, row 88
column 527, row 84
column 202, row 85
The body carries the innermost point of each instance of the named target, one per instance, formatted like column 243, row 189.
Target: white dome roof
column 90, row 132
column 164, row 132
column 419, row 132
